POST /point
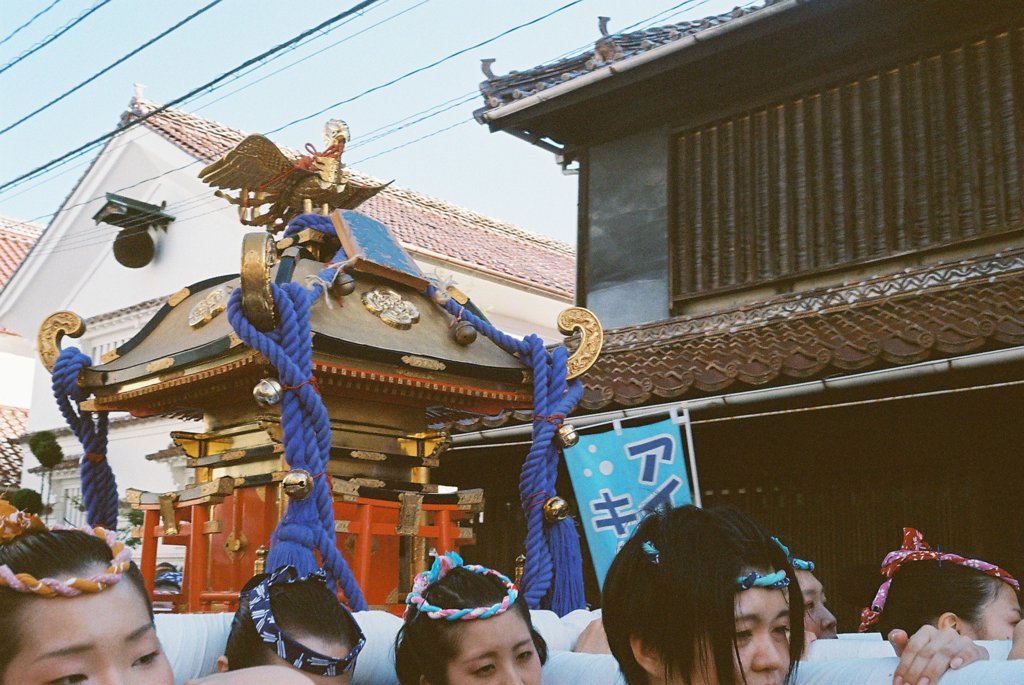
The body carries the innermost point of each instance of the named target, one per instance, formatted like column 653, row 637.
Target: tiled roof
column 933, row 312
column 609, row 49
column 12, row 425
column 16, row 238
column 69, row 464
column 424, row 224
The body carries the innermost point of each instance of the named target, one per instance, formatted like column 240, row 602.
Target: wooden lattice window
column 919, row 155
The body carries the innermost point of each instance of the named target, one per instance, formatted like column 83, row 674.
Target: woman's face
column 105, row 638
column 762, row 635
column 495, row 651
column 998, row 618
column 762, row 643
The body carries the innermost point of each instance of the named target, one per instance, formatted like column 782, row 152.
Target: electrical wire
column 416, row 140
column 112, row 65
column 85, row 147
column 420, row 70
column 309, row 56
column 381, row 132
column 28, row 23
column 54, row 36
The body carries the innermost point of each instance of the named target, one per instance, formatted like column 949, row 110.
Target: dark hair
column 683, row 607
column 921, row 591
column 50, row 554
column 424, row 645
column 304, row 607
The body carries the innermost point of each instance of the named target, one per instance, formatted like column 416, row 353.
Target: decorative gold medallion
column 391, row 308
column 208, row 308
column 591, row 338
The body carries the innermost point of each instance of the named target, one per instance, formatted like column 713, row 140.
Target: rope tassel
column 553, row 574
column 99, row 489
column 307, row 528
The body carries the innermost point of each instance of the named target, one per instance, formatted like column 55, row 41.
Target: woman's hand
column 261, row 675
column 930, row 653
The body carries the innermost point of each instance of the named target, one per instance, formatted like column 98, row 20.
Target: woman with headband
column 702, row 596
column 466, row 624
column 287, row 620
column 942, row 598
column 74, row 609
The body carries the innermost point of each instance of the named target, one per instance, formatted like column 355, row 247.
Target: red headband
column 916, row 549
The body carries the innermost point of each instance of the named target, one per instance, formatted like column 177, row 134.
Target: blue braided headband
column 442, row 565
column 289, row 649
column 798, row 564
column 776, row 580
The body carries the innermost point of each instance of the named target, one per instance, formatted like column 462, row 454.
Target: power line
column 82, row 149
column 416, row 140
column 78, row 152
column 391, row 128
column 303, row 59
column 28, row 23
column 49, row 39
column 424, row 68
column 113, row 64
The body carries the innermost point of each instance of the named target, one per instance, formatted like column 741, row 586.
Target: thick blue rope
column 308, row 525
column 553, row 575
column 99, row 490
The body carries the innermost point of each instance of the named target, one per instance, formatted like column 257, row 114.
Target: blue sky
column 491, row 173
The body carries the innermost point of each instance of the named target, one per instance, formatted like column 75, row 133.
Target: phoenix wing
column 253, row 163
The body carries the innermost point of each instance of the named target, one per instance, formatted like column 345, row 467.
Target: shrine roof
column 425, row 225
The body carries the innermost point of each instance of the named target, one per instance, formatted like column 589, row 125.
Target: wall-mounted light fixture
column 142, row 227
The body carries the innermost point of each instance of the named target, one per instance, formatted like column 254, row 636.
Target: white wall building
column 520, row 280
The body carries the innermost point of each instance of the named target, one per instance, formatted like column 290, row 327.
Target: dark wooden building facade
column 806, row 220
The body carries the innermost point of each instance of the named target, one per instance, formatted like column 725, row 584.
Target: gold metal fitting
column 567, row 435
column 556, row 509
column 297, row 484
column 259, row 565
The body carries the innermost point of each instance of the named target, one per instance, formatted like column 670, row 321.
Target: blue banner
column 617, row 478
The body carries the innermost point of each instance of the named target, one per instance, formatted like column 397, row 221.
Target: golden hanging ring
column 591, row 338
column 258, row 255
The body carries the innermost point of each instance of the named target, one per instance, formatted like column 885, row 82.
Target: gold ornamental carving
column 258, row 255
column 178, row 297
column 391, row 308
column 423, row 362
column 52, row 330
column 209, row 307
column 591, row 338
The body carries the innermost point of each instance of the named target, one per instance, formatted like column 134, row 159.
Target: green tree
column 28, row 500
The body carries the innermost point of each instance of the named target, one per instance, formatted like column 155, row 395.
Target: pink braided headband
column 442, row 565
column 916, row 549
column 14, row 523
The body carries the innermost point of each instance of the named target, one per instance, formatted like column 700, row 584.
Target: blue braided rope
column 308, row 525
column 99, row 489
column 553, row 574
